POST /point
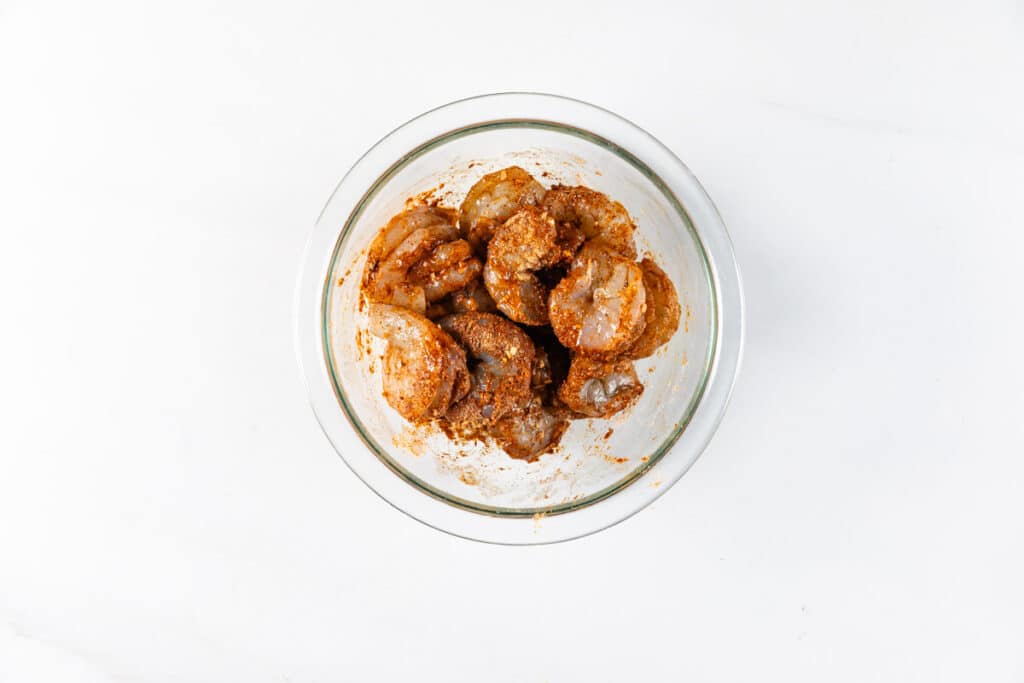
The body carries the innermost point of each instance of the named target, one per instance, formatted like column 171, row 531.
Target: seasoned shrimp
column 424, row 369
column 392, row 258
column 450, row 267
column 598, row 307
column 525, row 243
column 536, row 429
column 662, row 311
column 392, row 283
column 493, row 199
column 503, row 358
column 531, row 432
column 597, row 216
column 401, row 226
column 474, row 297
column 600, row 389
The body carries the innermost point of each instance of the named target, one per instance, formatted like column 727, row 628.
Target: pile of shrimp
column 517, row 313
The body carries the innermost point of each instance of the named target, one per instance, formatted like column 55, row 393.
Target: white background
column 169, row 510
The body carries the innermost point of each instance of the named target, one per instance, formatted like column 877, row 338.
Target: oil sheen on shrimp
column 524, row 244
column 600, row 389
column 597, row 216
column 493, row 199
column 598, row 307
column 424, row 369
column 502, row 359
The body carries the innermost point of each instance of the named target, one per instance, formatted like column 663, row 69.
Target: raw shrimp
column 473, row 298
column 597, row 216
column 598, row 307
column 450, row 267
column 493, row 199
column 525, row 243
column 600, row 389
column 424, row 369
column 401, row 226
column 538, row 428
column 390, row 283
column 501, row 359
column 662, row 313
column 530, row 433
column 407, row 238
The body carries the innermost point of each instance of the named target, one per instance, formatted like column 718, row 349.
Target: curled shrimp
column 502, row 360
column 597, row 216
column 599, row 389
column 451, row 266
column 598, row 307
column 408, row 238
column 537, row 428
column 424, row 369
column 493, row 199
column 662, row 311
column 524, row 244
column 531, row 432
column 401, row 226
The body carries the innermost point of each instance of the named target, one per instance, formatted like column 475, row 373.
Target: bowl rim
column 366, row 436
column 359, row 185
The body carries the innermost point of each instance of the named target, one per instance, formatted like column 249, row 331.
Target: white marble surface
column 169, row 510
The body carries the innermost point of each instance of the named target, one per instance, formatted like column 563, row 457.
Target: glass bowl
column 604, row 470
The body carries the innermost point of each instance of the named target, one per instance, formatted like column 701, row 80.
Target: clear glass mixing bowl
column 605, row 470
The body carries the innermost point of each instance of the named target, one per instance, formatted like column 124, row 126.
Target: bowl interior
column 596, row 457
